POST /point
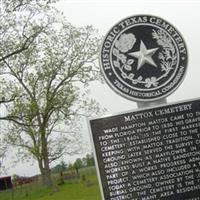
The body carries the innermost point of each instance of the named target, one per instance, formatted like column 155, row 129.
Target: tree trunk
column 46, row 173
column 44, row 163
column 47, row 180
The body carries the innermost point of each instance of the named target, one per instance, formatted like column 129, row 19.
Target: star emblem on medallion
column 143, row 61
column 144, row 55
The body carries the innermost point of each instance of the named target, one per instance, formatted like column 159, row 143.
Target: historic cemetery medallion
column 143, row 58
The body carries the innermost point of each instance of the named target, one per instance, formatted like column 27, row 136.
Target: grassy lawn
column 75, row 189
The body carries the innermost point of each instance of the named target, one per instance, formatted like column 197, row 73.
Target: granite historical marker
column 154, row 152
column 150, row 154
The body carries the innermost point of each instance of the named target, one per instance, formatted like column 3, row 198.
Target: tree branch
column 17, row 120
column 3, row 100
column 29, row 40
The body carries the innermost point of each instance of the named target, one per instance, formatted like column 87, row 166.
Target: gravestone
column 152, row 152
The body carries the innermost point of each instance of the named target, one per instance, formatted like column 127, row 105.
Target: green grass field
column 75, row 189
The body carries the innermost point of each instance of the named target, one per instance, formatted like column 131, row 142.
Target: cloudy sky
column 103, row 14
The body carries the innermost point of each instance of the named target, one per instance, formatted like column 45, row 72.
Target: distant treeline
column 79, row 163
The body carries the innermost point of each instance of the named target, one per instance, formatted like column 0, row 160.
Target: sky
column 103, row 14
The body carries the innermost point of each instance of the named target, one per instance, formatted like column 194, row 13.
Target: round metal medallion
column 143, row 58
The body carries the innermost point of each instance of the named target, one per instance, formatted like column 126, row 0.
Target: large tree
column 46, row 81
column 17, row 32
